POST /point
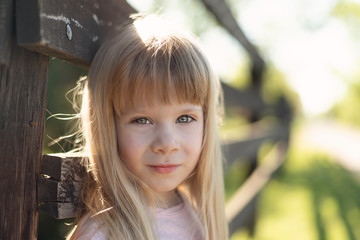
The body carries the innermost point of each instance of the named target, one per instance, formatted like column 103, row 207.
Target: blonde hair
column 135, row 63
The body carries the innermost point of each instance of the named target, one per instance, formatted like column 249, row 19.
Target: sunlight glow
column 152, row 26
column 314, row 53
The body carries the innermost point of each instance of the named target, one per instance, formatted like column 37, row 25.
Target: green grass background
column 311, row 198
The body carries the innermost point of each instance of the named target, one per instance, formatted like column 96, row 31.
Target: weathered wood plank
column 250, row 100
column 47, row 190
column 60, row 184
column 238, row 206
column 246, row 218
column 59, row 210
column 248, row 148
column 67, row 29
column 23, row 85
column 6, row 23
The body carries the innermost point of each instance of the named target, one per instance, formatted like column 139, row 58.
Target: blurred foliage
column 235, row 176
column 52, row 229
column 347, row 10
column 242, row 76
column 347, row 110
column 311, row 198
column 62, row 79
column 275, row 86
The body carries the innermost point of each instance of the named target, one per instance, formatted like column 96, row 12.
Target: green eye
column 142, row 121
column 184, row 119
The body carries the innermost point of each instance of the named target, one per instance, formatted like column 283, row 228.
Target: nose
column 165, row 141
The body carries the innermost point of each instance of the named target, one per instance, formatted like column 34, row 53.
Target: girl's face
column 161, row 144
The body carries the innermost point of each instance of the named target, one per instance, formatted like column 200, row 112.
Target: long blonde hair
column 141, row 58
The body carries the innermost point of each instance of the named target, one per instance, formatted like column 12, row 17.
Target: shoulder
column 90, row 229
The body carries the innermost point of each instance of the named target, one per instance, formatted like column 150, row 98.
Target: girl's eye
column 142, row 121
column 184, row 119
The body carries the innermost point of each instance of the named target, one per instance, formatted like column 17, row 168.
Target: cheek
column 126, row 144
column 194, row 142
column 128, row 151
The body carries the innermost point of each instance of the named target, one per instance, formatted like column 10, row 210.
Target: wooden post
column 223, row 14
column 23, row 84
column 70, row 30
column 6, row 22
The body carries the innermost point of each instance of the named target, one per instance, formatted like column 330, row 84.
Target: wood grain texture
column 6, row 23
column 59, row 210
column 67, row 29
column 23, row 85
column 60, row 185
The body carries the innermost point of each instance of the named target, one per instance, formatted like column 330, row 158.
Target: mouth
column 164, row 169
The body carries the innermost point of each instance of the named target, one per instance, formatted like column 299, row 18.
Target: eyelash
column 140, row 119
column 144, row 121
column 189, row 119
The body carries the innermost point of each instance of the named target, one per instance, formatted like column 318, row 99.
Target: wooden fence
column 31, row 31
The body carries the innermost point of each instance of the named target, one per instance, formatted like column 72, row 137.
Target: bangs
column 166, row 71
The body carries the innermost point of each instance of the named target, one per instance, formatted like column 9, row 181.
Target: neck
column 168, row 199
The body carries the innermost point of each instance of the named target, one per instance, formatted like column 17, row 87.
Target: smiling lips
column 164, row 169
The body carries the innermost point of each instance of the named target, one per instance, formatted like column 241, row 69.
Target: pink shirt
column 176, row 223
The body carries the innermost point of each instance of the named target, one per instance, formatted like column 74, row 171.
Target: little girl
column 149, row 119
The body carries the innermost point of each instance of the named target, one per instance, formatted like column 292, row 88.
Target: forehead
column 174, row 106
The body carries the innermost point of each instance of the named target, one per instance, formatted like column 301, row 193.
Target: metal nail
column 68, row 32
